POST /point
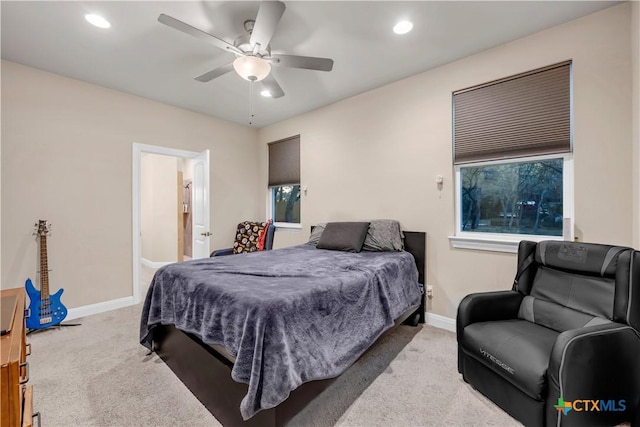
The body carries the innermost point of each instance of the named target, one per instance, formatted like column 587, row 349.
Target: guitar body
column 44, row 313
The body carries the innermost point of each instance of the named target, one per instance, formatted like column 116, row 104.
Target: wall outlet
column 429, row 291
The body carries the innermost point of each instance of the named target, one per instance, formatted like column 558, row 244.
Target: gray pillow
column 316, row 232
column 343, row 236
column 383, row 235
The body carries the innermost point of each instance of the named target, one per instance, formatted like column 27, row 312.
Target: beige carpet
column 98, row 375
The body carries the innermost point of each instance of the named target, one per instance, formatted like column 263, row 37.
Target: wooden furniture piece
column 207, row 373
column 16, row 396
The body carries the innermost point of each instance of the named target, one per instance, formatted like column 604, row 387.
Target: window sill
column 288, row 225
column 495, row 243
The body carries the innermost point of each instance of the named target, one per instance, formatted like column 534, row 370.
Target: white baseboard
column 154, row 264
column 441, row 322
column 101, row 307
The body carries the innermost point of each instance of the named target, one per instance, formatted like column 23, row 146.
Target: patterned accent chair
column 251, row 236
column 562, row 347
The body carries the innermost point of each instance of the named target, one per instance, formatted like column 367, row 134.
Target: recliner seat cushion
column 517, row 350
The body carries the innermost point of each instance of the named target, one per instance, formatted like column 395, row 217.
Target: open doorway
column 185, row 215
column 170, row 209
column 161, row 209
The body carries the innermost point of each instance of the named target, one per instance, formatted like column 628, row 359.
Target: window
column 284, row 182
column 285, row 204
column 524, row 197
column 512, row 160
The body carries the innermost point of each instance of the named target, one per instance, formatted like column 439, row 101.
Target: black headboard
column 415, row 242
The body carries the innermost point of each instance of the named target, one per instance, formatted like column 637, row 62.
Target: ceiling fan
column 253, row 53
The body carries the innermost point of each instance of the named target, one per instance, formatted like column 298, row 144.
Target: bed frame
column 207, row 373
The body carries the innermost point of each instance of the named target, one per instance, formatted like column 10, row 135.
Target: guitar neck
column 44, row 268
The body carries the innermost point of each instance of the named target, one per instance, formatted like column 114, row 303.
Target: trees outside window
column 523, row 197
column 285, row 204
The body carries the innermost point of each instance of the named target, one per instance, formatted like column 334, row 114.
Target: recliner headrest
column 586, row 258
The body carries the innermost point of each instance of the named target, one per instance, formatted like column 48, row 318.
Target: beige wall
column 376, row 155
column 0, row 191
column 635, row 58
column 158, row 207
column 67, row 158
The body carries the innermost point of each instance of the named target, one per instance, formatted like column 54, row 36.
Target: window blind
column 518, row 116
column 284, row 162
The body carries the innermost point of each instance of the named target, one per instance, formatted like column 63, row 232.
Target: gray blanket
column 288, row 316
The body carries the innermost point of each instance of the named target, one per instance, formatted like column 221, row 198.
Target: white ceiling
column 139, row 55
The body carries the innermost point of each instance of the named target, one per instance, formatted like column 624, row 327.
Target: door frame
column 137, row 150
column 200, row 220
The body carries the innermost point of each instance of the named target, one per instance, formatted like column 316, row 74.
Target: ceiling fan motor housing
column 243, row 44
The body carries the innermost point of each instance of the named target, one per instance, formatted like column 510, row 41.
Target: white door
column 200, row 203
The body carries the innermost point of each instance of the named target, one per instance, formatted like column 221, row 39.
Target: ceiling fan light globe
column 251, row 68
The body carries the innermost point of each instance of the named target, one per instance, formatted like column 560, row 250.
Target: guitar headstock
column 42, row 227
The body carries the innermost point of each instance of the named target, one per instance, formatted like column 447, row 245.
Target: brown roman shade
column 284, row 162
column 518, row 116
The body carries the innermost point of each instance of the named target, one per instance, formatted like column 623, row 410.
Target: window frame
column 271, row 204
column 508, row 242
column 292, row 178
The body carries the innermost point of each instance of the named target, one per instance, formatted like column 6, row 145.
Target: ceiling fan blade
column 193, row 31
column 266, row 23
column 306, row 62
column 270, row 84
column 217, row 72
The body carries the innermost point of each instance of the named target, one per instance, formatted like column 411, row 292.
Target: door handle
column 24, row 379
column 37, row 415
column 205, row 234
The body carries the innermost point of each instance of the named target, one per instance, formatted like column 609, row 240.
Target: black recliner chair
column 562, row 347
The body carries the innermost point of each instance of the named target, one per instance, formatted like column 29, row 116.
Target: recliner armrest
column 268, row 241
column 487, row 306
column 222, row 252
column 596, row 363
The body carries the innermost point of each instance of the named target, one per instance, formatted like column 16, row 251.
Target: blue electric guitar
column 45, row 310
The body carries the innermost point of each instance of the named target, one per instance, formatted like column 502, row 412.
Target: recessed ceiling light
column 97, row 20
column 266, row 93
column 402, row 27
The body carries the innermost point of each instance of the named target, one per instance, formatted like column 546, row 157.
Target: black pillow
column 343, row 236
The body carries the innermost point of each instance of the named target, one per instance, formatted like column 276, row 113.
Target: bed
column 255, row 337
